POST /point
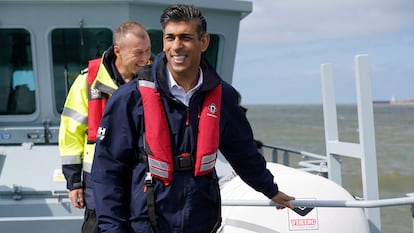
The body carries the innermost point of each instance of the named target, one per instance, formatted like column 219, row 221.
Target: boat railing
column 309, row 162
column 317, row 164
column 364, row 150
column 408, row 200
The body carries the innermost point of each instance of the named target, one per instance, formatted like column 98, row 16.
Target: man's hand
column 76, row 197
column 282, row 200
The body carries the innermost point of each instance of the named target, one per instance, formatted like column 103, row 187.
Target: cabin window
column 17, row 86
column 71, row 51
column 211, row 53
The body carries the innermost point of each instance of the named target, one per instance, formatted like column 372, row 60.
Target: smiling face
column 183, row 47
column 133, row 52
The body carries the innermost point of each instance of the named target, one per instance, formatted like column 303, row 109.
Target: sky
column 283, row 43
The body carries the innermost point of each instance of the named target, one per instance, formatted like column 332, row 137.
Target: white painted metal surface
column 302, row 185
column 365, row 149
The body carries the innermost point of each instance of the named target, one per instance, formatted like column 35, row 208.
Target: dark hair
column 183, row 12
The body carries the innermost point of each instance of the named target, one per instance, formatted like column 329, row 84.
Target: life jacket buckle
column 148, row 179
column 184, row 162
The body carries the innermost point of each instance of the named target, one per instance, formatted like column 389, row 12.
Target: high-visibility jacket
column 75, row 151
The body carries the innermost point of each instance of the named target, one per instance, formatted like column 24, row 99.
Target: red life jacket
column 96, row 101
column 157, row 135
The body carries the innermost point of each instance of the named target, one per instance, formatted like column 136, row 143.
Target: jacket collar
column 107, row 77
column 159, row 74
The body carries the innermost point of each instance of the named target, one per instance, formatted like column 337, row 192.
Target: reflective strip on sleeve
column 70, row 159
column 77, row 116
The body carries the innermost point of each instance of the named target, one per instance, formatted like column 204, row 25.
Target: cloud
column 296, row 21
column 282, row 44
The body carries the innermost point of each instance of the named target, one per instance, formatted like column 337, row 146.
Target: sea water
column 301, row 127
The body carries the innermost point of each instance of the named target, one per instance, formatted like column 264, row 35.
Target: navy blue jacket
column 189, row 203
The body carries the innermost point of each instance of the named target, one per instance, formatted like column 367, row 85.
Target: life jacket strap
column 149, row 189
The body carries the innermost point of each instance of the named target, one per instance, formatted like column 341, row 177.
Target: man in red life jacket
column 158, row 140
column 84, row 108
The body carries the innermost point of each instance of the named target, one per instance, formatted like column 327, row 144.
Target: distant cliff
column 402, row 102
column 395, row 101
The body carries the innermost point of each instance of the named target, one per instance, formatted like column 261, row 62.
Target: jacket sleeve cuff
column 271, row 193
column 73, row 176
column 76, row 186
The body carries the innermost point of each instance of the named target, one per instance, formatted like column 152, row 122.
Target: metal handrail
column 293, row 151
column 40, row 218
column 327, row 203
column 317, row 164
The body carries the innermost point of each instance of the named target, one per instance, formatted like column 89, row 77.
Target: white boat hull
column 302, row 185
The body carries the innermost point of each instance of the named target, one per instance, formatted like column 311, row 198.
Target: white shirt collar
column 178, row 92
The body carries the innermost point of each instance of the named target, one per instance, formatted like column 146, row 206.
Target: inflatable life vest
column 96, row 101
column 160, row 158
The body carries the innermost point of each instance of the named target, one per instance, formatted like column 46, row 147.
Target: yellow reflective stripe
column 70, row 159
column 75, row 115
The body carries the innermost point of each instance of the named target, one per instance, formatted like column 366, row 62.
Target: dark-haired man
column 154, row 168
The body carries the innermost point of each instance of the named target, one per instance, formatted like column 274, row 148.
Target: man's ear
column 117, row 50
column 205, row 41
